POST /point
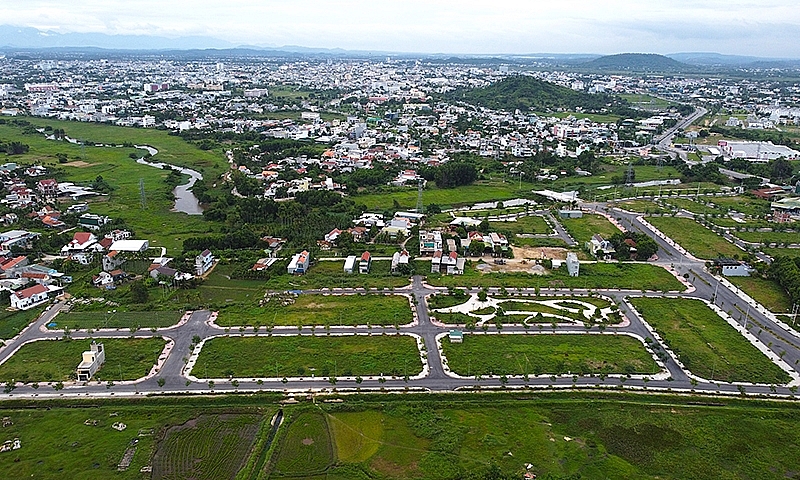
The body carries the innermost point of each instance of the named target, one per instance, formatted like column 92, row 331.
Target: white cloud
column 458, row 26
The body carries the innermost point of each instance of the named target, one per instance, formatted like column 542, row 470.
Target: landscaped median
column 57, row 360
column 545, row 353
column 308, row 356
column 705, row 343
column 286, row 309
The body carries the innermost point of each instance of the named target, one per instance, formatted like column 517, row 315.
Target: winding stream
column 185, row 201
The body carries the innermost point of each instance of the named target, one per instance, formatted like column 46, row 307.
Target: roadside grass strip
column 307, row 357
column 528, row 311
column 548, row 354
column 706, row 344
column 56, row 360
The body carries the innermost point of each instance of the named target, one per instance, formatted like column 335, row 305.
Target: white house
column 600, row 248
column 400, row 258
column 93, row 359
column 573, row 265
column 203, row 262
column 350, row 264
column 429, row 242
column 733, row 268
column 299, row 263
column 79, row 243
column 30, row 297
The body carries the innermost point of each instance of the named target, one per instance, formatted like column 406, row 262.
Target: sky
column 768, row 28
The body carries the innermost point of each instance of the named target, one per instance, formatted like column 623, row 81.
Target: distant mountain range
column 25, row 39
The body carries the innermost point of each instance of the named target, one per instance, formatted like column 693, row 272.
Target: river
column 185, row 200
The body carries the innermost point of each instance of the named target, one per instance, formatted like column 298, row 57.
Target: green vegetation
column 479, row 191
column 11, row 323
column 529, row 224
column 583, row 228
column 695, row 238
column 302, row 356
column 527, row 93
column 97, row 320
column 742, row 204
column 705, row 343
column 785, row 252
column 636, row 276
column 547, row 354
column 56, row 360
column 769, row 237
column 86, row 163
column 356, row 435
column 208, row 447
column 641, row 206
column 765, row 291
column 305, row 449
column 691, row 205
column 321, row 310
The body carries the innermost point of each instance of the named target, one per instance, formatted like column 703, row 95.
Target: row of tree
column 786, row 271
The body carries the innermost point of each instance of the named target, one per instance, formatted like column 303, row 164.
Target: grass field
column 302, row 356
column 11, row 323
column 766, row 292
column 321, row 310
column 583, row 228
column 636, row 276
column 207, row 447
column 695, row 238
column 547, row 354
column 305, row 449
column 124, row 320
column 746, row 205
column 705, row 343
column 640, row 206
column 52, row 361
column 786, row 252
column 529, row 224
column 481, row 191
column 691, row 205
column 769, row 237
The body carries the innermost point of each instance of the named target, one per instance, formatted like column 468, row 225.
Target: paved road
column 664, row 141
column 178, row 378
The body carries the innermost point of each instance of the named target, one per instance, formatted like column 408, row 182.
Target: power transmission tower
column 141, row 193
column 629, row 174
column 420, row 185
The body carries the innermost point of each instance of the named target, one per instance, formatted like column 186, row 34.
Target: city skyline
column 466, row 27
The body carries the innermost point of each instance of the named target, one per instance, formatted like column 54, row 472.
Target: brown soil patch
column 78, row 164
column 308, row 441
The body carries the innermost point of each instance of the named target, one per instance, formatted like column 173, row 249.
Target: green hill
column 528, row 93
column 636, row 62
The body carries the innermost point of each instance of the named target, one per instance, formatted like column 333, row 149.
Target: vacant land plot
column 481, row 191
column 583, row 228
column 56, row 360
column 124, row 320
column 769, row 237
column 777, row 252
column 356, row 435
column 691, row 205
column 325, row 274
column 635, row 276
column 705, row 343
column 321, row 310
column 746, row 205
column 640, row 206
column 208, row 447
column 305, row 449
column 766, row 292
column 529, row 224
column 304, row 356
column 695, row 238
column 547, row 354
column 11, row 323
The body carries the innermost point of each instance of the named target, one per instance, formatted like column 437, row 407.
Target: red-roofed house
column 365, row 263
column 48, row 187
column 79, row 243
column 29, row 298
